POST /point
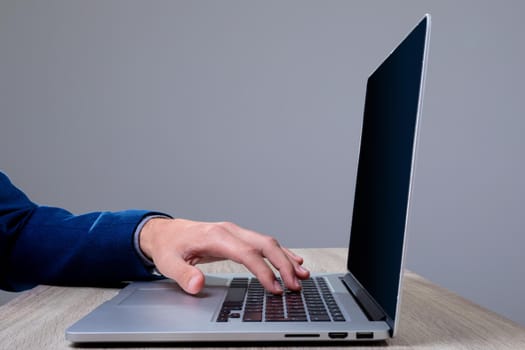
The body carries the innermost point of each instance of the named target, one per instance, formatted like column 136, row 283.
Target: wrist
column 147, row 235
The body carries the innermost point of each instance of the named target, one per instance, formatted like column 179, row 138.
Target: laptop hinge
column 365, row 301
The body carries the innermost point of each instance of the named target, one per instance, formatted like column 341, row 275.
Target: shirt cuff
column 147, row 261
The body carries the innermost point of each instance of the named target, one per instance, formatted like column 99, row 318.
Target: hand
column 176, row 245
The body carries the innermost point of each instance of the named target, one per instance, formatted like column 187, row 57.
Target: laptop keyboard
column 247, row 300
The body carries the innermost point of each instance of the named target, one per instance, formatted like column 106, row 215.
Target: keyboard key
column 248, row 298
column 252, row 317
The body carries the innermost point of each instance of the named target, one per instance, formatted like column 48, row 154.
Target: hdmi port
column 338, row 335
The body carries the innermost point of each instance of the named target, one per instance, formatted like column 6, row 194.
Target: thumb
column 189, row 278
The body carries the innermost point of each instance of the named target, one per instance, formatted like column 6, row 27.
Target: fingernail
column 193, row 284
column 302, row 269
column 277, row 286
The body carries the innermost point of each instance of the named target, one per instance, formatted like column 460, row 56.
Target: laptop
column 362, row 304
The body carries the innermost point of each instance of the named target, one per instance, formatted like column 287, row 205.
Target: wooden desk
column 431, row 317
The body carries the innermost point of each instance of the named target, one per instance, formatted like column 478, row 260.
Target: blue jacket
column 45, row 245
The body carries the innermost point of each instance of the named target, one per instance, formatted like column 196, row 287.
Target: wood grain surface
column 431, row 317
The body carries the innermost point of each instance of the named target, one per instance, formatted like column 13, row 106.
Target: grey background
column 251, row 112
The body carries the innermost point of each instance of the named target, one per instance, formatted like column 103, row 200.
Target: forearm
column 59, row 248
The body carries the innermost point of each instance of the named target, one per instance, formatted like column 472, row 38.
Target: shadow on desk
column 435, row 317
column 5, row 297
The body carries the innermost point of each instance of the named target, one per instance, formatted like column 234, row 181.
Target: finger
column 256, row 264
column 189, row 278
column 225, row 242
column 297, row 261
column 271, row 249
column 293, row 256
column 285, row 266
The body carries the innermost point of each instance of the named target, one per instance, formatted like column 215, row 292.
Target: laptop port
column 364, row 335
column 338, row 335
column 303, row 335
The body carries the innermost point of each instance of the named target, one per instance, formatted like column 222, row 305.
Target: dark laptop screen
column 383, row 174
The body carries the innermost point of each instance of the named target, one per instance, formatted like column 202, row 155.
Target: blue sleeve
column 46, row 245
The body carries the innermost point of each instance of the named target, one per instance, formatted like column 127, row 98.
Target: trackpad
column 170, row 294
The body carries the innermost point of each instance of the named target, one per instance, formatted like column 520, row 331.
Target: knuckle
column 217, row 230
column 272, row 241
column 230, row 226
column 220, row 237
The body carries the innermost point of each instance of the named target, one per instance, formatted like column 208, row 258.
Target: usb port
column 364, row 335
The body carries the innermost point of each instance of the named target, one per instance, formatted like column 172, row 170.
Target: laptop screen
column 384, row 170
